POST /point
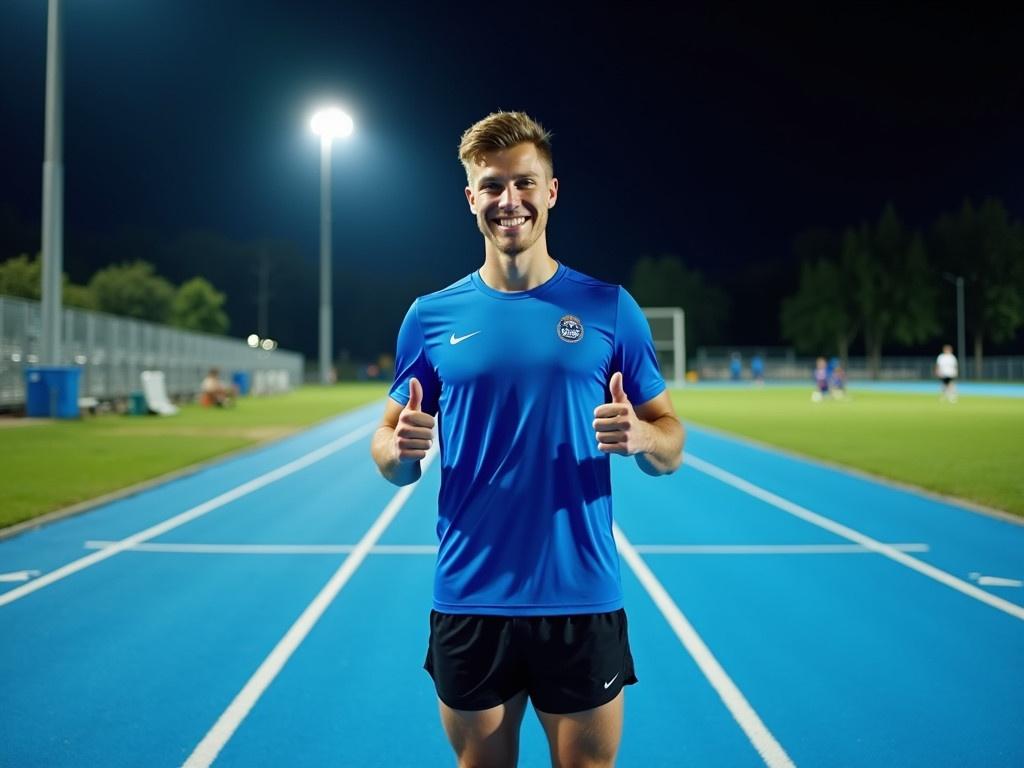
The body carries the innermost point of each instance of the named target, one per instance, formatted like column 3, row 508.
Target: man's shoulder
column 458, row 288
column 579, row 278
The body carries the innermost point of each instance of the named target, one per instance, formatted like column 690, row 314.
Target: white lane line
column 763, row 741
column 189, row 515
column 856, row 536
column 222, row 731
column 271, row 549
column 767, row 549
column 18, row 576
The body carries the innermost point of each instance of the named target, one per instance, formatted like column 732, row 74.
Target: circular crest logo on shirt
column 570, row 329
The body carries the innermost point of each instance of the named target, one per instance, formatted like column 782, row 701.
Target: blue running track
column 271, row 610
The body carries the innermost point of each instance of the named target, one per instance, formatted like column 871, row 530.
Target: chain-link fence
column 113, row 351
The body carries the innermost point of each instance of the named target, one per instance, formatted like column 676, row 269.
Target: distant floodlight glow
column 254, row 340
column 332, row 124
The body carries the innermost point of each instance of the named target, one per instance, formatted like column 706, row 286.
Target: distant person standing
column 837, row 379
column 947, row 369
column 735, row 366
column 757, row 369
column 820, row 380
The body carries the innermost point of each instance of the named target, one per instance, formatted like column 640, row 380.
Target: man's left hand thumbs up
column 617, row 427
column 616, row 388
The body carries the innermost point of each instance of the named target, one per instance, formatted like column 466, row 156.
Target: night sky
column 713, row 133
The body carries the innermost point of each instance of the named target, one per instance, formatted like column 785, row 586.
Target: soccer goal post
column 668, row 328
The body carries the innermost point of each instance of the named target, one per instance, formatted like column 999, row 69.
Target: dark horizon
column 714, row 134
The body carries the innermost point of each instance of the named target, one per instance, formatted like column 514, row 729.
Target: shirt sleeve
column 411, row 361
column 634, row 352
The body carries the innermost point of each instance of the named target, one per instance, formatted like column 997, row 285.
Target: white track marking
column 996, row 581
column 271, row 549
column 189, row 515
column 767, row 747
column 855, row 536
column 18, row 576
column 767, row 549
column 207, row 750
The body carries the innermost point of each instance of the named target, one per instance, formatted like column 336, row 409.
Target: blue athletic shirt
column 525, row 507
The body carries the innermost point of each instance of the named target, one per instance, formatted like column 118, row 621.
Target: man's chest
column 533, row 339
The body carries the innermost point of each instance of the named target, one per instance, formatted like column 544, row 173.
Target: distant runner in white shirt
column 947, row 369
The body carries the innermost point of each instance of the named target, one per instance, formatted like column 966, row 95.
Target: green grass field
column 972, row 450
column 49, row 465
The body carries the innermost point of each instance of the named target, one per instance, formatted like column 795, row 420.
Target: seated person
column 213, row 391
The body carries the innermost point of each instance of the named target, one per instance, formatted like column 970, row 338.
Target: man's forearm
column 393, row 470
column 666, row 452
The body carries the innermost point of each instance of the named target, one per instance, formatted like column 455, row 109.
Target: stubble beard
column 513, row 247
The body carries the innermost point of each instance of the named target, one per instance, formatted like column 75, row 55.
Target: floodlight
column 332, row 123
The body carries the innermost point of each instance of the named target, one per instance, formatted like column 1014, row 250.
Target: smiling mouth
column 511, row 223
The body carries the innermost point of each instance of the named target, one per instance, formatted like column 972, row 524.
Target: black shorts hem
column 565, row 709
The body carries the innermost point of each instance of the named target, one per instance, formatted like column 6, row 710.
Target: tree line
column 131, row 289
column 879, row 283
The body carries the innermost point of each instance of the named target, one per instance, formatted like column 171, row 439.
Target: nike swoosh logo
column 459, row 339
column 610, row 681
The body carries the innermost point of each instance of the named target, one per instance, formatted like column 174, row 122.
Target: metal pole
column 961, row 342
column 53, row 192
column 326, row 342
column 679, row 333
column 263, row 297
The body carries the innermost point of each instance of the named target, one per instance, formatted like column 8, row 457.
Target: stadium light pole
column 328, row 124
column 961, row 340
column 53, row 191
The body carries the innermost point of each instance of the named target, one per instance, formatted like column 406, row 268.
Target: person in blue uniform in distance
column 534, row 375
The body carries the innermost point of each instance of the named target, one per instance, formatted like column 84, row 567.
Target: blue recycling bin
column 51, row 391
column 242, row 380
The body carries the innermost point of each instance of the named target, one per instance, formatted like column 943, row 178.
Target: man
column 947, row 369
column 538, row 374
column 214, row 391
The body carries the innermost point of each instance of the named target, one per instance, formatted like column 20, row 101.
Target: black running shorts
column 565, row 663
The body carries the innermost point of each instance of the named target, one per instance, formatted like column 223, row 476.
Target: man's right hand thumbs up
column 414, row 433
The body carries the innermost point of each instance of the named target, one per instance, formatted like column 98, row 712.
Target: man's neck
column 522, row 272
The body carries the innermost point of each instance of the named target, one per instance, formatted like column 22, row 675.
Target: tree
column 78, row 296
column 133, row 290
column 893, row 289
column 816, row 319
column 986, row 248
column 821, row 316
column 667, row 282
column 198, row 306
column 23, row 276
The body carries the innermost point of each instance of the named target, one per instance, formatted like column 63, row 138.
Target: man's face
column 510, row 192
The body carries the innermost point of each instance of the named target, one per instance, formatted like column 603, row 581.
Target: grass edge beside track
column 864, row 474
column 888, row 440
column 81, row 507
column 136, row 488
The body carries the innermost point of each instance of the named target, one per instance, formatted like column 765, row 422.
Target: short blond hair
column 501, row 130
